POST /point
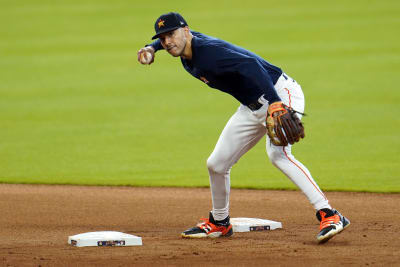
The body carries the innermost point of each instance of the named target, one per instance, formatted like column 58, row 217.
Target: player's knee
column 216, row 166
column 276, row 156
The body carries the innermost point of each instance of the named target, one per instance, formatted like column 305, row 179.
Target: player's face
column 174, row 42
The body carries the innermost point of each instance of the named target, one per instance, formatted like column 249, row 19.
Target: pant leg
column 244, row 129
column 291, row 94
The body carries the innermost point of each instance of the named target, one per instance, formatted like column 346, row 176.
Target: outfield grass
column 76, row 108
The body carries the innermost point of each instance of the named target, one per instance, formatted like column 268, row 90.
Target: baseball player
column 270, row 102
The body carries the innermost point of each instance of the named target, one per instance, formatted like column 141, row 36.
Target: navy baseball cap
column 168, row 22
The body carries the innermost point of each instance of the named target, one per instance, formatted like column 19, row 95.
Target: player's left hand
column 283, row 125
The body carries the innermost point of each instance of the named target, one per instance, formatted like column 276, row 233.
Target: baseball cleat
column 210, row 228
column 332, row 223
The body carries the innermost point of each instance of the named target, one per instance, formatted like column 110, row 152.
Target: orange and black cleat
column 332, row 223
column 210, row 228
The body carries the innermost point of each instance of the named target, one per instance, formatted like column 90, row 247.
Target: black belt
column 286, row 77
column 255, row 106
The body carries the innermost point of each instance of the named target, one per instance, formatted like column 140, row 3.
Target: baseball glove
column 283, row 125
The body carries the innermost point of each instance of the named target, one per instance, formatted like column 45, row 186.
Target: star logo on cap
column 161, row 23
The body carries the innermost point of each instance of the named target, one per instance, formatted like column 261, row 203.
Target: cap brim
column 164, row 31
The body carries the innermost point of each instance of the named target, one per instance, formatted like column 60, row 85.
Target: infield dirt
column 36, row 221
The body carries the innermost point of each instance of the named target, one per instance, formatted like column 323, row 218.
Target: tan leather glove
column 283, row 125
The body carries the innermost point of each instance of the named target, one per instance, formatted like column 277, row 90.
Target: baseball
column 145, row 57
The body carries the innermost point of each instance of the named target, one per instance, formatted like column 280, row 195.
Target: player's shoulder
column 205, row 41
column 211, row 45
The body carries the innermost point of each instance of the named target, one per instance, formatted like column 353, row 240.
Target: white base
column 253, row 224
column 104, row 238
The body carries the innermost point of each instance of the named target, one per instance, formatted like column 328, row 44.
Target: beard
column 175, row 50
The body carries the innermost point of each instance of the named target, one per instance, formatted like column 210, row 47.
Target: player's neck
column 187, row 52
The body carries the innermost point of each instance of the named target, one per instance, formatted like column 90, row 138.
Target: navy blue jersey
column 231, row 69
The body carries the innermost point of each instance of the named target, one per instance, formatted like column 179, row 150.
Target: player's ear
column 186, row 29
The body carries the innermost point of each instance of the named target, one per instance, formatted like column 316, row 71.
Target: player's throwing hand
column 146, row 55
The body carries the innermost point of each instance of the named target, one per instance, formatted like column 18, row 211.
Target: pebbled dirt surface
column 36, row 221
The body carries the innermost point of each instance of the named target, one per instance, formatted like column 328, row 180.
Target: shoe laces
column 328, row 221
column 206, row 224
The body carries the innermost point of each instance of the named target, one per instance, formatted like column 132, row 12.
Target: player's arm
column 149, row 51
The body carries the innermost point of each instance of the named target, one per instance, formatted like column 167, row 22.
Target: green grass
column 76, row 107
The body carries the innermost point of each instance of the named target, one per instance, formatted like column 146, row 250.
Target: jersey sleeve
column 156, row 45
column 250, row 71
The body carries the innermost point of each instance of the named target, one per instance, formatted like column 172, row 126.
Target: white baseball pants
column 243, row 130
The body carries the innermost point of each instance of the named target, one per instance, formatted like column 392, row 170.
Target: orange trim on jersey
column 309, row 179
column 290, row 99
